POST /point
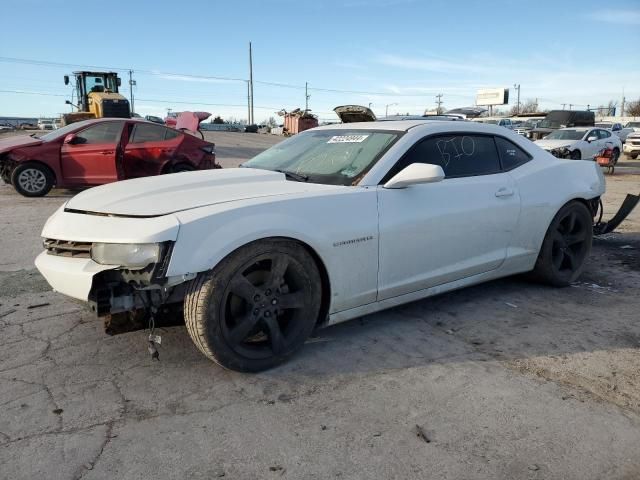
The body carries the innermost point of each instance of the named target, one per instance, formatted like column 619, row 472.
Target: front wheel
column 576, row 155
column 257, row 307
column 566, row 246
column 615, row 156
column 32, row 179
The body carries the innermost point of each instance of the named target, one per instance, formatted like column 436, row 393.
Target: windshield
column 565, row 135
column 493, row 122
column 332, row 157
column 632, row 125
column 63, row 131
column 552, row 123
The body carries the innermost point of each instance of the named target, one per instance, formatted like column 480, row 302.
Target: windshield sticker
column 347, row 139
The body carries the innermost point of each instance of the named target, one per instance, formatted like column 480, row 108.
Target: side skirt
column 523, row 264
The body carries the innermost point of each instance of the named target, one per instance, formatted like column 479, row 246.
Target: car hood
column 165, row 194
column 8, row 144
column 550, row 144
column 354, row 113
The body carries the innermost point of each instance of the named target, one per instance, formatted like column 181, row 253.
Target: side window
column 511, row 155
column 458, row 155
column 170, row 134
column 147, row 132
column 105, row 132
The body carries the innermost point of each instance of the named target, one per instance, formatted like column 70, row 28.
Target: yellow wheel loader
column 98, row 97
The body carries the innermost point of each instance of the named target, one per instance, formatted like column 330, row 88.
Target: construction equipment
column 98, row 97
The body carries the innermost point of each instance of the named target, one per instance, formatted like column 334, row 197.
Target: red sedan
column 94, row 152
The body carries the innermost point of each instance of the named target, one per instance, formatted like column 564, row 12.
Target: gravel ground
column 503, row 380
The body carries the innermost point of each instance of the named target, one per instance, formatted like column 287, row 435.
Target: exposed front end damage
column 7, row 164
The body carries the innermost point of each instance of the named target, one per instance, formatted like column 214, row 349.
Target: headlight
column 132, row 255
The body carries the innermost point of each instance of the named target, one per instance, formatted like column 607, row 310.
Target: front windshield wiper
column 298, row 177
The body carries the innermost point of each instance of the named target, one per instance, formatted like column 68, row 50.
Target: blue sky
column 400, row 52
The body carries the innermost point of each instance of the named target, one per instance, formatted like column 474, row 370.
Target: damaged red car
column 95, row 152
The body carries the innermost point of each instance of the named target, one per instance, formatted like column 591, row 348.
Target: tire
column 616, row 156
column 633, row 156
column 32, row 179
column 566, row 246
column 236, row 313
column 181, row 167
column 576, row 155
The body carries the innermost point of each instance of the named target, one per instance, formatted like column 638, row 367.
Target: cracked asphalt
column 504, row 380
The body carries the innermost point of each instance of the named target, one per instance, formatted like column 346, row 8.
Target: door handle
column 504, row 192
column 107, row 152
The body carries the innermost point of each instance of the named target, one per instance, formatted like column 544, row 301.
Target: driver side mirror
column 72, row 139
column 591, row 138
column 414, row 174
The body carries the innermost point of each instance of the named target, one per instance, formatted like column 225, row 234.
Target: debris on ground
column 421, row 434
column 37, row 305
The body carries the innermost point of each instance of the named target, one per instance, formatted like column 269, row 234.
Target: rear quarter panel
column 326, row 222
column 547, row 183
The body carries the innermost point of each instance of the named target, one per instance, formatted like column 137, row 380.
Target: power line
column 215, row 77
column 149, row 100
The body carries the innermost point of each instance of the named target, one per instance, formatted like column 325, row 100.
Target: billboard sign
column 492, row 96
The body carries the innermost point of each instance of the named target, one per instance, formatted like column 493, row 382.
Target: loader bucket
column 630, row 202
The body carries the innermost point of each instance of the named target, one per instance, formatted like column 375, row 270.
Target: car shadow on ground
column 504, row 320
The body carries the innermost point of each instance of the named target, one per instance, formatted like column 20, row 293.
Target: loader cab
column 97, row 94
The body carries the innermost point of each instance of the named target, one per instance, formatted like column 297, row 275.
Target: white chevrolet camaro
column 331, row 224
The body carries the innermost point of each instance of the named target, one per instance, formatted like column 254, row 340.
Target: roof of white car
column 398, row 125
column 405, row 125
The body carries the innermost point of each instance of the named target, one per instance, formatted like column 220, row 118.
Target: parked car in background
column 28, row 126
column 334, row 223
column 501, row 122
column 635, row 126
column 154, row 119
column 632, row 145
column 6, row 127
column 614, row 127
column 557, row 119
column 527, row 125
column 46, row 125
column 94, row 152
column 582, row 142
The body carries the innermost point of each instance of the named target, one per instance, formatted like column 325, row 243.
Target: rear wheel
column 32, row 179
column 566, row 246
column 256, row 307
column 181, row 167
column 615, row 157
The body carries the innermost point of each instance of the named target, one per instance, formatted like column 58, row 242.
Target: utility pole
column 563, row 105
column 622, row 106
column 517, row 87
column 248, row 103
column 306, row 96
column 570, row 105
column 250, row 85
column 386, row 109
column 132, row 82
column 439, row 103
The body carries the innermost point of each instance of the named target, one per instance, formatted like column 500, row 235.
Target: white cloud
column 621, row 17
column 431, row 64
